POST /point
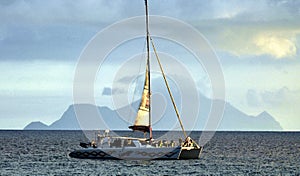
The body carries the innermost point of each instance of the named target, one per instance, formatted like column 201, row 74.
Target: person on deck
column 93, row 144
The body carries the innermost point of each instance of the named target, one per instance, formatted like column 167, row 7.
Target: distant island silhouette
column 233, row 119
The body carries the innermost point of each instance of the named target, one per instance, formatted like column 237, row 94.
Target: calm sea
column 228, row 153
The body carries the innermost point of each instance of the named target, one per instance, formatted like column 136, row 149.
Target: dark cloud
column 60, row 29
column 7, row 2
column 107, row 91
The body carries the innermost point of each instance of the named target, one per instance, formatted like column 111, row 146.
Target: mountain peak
column 264, row 115
column 36, row 125
column 264, row 118
column 233, row 119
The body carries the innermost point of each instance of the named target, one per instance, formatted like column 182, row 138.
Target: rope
column 169, row 90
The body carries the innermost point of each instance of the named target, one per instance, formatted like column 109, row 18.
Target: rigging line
column 169, row 90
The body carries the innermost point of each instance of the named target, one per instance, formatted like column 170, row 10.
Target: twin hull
column 133, row 153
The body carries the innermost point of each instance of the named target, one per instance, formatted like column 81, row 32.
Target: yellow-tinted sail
column 143, row 118
column 142, row 122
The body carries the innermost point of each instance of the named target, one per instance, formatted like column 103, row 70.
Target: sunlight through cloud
column 279, row 47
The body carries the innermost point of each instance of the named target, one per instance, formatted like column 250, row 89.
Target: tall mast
column 148, row 66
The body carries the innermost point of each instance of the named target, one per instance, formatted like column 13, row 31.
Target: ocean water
column 227, row 153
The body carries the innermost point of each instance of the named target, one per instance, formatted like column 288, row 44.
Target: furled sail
column 142, row 122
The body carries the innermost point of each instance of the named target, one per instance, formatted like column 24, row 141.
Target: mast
column 143, row 118
column 148, row 65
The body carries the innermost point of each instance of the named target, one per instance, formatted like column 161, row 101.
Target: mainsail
column 143, row 118
column 142, row 121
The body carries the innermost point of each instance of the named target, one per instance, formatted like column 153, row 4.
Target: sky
column 257, row 43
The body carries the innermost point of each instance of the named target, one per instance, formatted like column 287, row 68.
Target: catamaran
column 147, row 148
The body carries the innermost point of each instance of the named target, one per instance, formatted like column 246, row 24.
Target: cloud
column 88, row 11
column 63, row 12
column 279, row 47
column 260, row 28
column 274, row 98
column 233, row 26
column 107, row 91
column 58, row 30
column 36, row 78
column 283, row 103
column 254, row 39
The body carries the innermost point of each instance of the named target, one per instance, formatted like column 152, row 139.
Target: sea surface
column 227, row 153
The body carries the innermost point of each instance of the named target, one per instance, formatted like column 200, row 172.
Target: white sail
column 142, row 117
column 142, row 121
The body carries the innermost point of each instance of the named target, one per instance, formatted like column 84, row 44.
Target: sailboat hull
column 130, row 153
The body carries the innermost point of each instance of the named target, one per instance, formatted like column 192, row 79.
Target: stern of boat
column 190, row 152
